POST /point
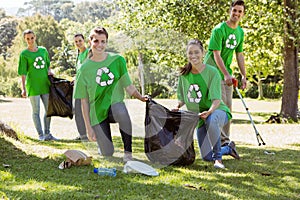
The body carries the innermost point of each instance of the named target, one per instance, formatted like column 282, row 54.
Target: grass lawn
column 29, row 170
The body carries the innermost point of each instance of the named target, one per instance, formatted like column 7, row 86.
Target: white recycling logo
column 39, row 63
column 196, row 88
column 231, row 41
column 100, row 72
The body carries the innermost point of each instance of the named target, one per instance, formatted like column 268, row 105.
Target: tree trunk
column 289, row 104
column 141, row 73
column 260, row 89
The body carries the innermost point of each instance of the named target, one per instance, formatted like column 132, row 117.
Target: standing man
column 227, row 38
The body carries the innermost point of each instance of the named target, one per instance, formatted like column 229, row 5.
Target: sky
column 8, row 4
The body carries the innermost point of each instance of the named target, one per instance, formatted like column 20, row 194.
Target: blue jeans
column 208, row 136
column 35, row 104
column 117, row 113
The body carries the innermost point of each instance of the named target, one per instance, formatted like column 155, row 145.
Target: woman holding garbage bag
column 199, row 89
column 100, row 84
column 82, row 54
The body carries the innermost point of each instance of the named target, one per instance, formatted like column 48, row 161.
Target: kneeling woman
column 199, row 88
column 100, row 84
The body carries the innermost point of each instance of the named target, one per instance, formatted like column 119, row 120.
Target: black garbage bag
column 60, row 98
column 169, row 135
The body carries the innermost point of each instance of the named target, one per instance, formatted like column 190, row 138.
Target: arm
column 215, row 104
column 132, row 91
column 241, row 63
column 221, row 66
column 24, row 93
column 85, row 107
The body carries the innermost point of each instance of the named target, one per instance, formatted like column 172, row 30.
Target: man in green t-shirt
column 226, row 39
column 34, row 66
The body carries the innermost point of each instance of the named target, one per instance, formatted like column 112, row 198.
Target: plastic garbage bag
column 60, row 98
column 169, row 135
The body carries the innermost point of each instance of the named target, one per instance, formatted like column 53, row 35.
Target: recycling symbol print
column 231, row 42
column 194, row 88
column 39, row 63
column 100, row 74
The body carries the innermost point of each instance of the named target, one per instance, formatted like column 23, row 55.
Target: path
column 17, row 113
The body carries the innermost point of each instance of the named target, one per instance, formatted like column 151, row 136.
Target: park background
column 152, row 36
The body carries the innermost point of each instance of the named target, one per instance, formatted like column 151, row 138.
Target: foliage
column 46, row 29
column 7, row 34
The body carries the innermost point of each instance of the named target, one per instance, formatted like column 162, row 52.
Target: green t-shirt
column 198, row 91
column 35, row 65
column 103, row 84
column 81, row 58
column 227, row 41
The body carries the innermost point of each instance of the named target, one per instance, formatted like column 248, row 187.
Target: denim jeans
column 208, row 136
column 35, row 104
column 117, row 113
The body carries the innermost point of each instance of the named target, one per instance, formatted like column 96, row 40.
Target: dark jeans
column 117, row 114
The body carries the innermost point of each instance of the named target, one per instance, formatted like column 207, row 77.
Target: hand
column 91, row 134
column 204, row 115
column 175, row 109
column 24, row 93
column 228, row 80
column 244, row 82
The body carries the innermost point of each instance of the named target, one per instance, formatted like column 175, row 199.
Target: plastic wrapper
column 60, row 98
column 169, row 135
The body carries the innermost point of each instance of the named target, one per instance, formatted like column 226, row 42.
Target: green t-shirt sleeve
column 22, row 69
column 215, row 42
column 239, row 48
column 125, row 78
column 214, row 87
column 80, row 91
column 180, row 95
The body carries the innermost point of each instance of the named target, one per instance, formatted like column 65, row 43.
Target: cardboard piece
column 78, row 158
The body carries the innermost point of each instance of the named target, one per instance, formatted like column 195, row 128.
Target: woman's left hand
column 204, row 114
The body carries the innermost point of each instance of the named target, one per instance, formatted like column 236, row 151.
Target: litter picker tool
column 258, row 137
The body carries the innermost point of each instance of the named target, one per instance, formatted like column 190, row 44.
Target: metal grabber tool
column 258, row 137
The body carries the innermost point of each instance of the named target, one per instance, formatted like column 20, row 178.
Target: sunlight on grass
column 35, row 186
column 6, row 176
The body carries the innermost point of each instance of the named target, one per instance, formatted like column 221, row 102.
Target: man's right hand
column 228, row 80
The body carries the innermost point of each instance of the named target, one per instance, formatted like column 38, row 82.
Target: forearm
column 85, row 107
column 220, row 63
column 241, row 63
column 215, row 104
column 23, row 82
column 132, row 91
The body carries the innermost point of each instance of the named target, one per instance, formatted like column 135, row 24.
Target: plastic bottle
column 105, row 171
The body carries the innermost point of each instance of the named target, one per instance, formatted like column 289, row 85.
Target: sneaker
column 41, row 138
column 219, row 165
column 233, row 152
column 50, row 137
column 127, row 157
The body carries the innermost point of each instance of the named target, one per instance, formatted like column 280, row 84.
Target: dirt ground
column 16, row 112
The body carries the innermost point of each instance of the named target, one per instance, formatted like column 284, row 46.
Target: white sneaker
column 219, row 165
column 127, row 157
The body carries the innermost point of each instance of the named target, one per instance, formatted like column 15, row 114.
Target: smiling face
column 194, row 54
column 30, row 39
column 79, row 42
column 98, row 43
column 236, row 13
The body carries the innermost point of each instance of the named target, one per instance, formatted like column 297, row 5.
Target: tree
column 289, row 106
column 8, row 31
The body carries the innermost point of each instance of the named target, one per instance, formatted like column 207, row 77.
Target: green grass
column 31, row 172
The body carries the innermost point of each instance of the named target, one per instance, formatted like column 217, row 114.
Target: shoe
column 127, row 157
column 233, row 152
column 41, row 138
column 50, row 137
column 219, row 165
